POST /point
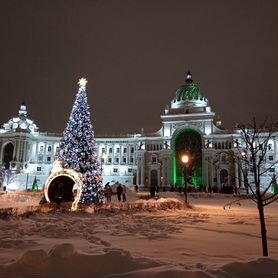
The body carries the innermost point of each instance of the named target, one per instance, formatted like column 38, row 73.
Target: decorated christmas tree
column 78, row 148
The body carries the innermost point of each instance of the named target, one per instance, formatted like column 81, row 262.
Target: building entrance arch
column 223, row 177
column 8, row 155
column 154, row 179
column 187, row 140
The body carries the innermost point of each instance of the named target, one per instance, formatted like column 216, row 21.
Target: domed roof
column 189, row 91
column 189, row 96
column 20, row 123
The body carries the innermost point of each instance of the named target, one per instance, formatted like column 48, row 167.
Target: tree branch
column 272, row 199
column 240, row 199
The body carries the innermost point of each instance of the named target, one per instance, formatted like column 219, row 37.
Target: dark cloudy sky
column 135, row 55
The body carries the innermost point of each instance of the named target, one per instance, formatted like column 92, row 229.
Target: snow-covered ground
column 205, row 241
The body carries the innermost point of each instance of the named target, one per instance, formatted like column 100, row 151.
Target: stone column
column 163, row 171
column 207, row 182
column 212, row 173
column 20, row 150
column 236, row 175
column 25, row 150
column 36, row 152
column 138, row 172
column 17, row 148
column 142, row 171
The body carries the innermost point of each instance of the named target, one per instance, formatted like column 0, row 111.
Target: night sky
column 135, row 55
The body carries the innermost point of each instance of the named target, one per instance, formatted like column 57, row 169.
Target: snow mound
column 261, row 267
column 65, row 250
column 64, row 261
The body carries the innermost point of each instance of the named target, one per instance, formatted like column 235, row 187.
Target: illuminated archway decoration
column 58, row 171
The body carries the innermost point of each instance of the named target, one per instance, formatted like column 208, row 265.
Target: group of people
column 121, row 192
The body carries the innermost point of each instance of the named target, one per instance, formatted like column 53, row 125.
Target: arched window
column 8, row 155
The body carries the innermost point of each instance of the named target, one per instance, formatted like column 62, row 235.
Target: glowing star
column 82, row 83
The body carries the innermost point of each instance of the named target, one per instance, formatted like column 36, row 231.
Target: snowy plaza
column 204, row 241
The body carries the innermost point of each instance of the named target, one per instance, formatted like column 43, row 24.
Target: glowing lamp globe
column 185, row 158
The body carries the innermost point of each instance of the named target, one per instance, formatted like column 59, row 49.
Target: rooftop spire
column 22, row 110
column 188, row 78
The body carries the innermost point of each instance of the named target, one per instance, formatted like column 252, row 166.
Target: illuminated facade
column 188, row 124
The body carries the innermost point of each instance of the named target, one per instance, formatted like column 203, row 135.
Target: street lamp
column 103, row 157
column 245, row 172
column 185, row 160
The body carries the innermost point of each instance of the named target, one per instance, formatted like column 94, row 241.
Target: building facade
column 187, row 125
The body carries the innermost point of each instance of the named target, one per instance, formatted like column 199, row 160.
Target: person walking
column 119, row 192
column 108, row 192
column 124, row 193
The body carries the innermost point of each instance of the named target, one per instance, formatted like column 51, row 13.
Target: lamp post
column 102, row 160
column 27, row 178
column 245, row 173
column 185, row 160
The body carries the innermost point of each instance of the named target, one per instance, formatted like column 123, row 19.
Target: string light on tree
column 78, row 148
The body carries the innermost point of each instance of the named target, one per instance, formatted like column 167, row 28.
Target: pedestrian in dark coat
column 119, row 192
column 108, row 192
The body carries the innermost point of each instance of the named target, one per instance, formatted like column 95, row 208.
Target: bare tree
column 256, row 143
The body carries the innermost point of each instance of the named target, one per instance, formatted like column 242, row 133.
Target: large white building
column 188, row 124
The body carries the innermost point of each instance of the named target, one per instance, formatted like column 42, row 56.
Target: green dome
column 189, row 91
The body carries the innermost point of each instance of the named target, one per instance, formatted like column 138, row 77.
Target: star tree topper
column 82, row 83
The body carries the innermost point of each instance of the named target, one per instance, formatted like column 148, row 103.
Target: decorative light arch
column 59, row 171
